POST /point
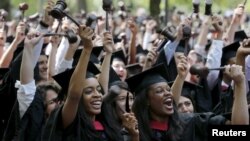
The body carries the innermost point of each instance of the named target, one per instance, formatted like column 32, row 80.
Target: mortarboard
column 113, row 77
column 119, row 55
column 63, row 78
column 3, row 71
column 133, row 69
column 93, row 57
column 97, row 50
column 148, row 77
column 228, row 52
column 140, row 50
column 240, row 35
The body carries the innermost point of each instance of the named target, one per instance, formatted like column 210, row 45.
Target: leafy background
column 95, row 5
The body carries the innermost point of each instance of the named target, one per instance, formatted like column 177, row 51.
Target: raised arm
column 109, row 48
column 202, row 39
column 240, row 114
column 77, row 79
column 27, row 88
column 150, row 59
column 234, row 25
column 132, row 47
column 8, row 54
column 54, row 41
column 182, row 69
column 67, row 61
column 27, row 69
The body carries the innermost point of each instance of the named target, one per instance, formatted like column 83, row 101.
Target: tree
column 82, row 4
column 154, row 7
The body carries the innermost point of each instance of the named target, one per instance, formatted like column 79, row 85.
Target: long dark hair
column 141, row 110
column 42, row 90
column 88, row 131
column 109, row 103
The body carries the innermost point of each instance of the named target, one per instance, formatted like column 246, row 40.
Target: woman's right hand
column 130, row 123
column 86, row 33
column 108, row 42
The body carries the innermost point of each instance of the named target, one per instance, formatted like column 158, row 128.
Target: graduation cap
column 113, row 77
column 146, row 78
column 187, row 89
column 63, row 78
column 93, row 57
column 3, row 71
column 97, row 50
column 140, row 50
column 133, row 69
column 229, row 52
column 119, row 55
column 240, row 35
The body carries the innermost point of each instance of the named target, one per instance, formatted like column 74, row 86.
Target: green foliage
column 34, row 5
column 96, row 5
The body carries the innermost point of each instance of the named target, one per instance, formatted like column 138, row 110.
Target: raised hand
column 20, row 33
column 244, row 49
column 182, row 67
column 238, row 14
column 150, row 25
column 32, row 39
column 186, row 22
column 237, row 74
column 47, row 18
column 108, row 42
column 217, row 23
column 55, row 41
column 152, row 54
column 132, row 26
column 86, row 33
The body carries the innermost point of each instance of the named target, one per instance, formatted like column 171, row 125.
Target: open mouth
column 169, row 103
column 96, row 104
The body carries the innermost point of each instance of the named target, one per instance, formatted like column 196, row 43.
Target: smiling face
column 42, row 64
column 160, row 100
column 92, row 96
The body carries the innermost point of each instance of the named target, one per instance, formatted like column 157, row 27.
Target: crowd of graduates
column 122, row 76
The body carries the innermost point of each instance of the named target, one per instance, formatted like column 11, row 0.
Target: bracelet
column 44, row 24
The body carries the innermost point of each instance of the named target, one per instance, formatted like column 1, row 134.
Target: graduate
column 117, row 106
column 81, row 117
column 155, row 106
column 118, row 63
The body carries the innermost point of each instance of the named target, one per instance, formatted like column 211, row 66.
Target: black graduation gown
column 195, row 126
column 29, row 127
column 203, row 98
column 8, row 92
column 54, row 130
column 226, row 102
